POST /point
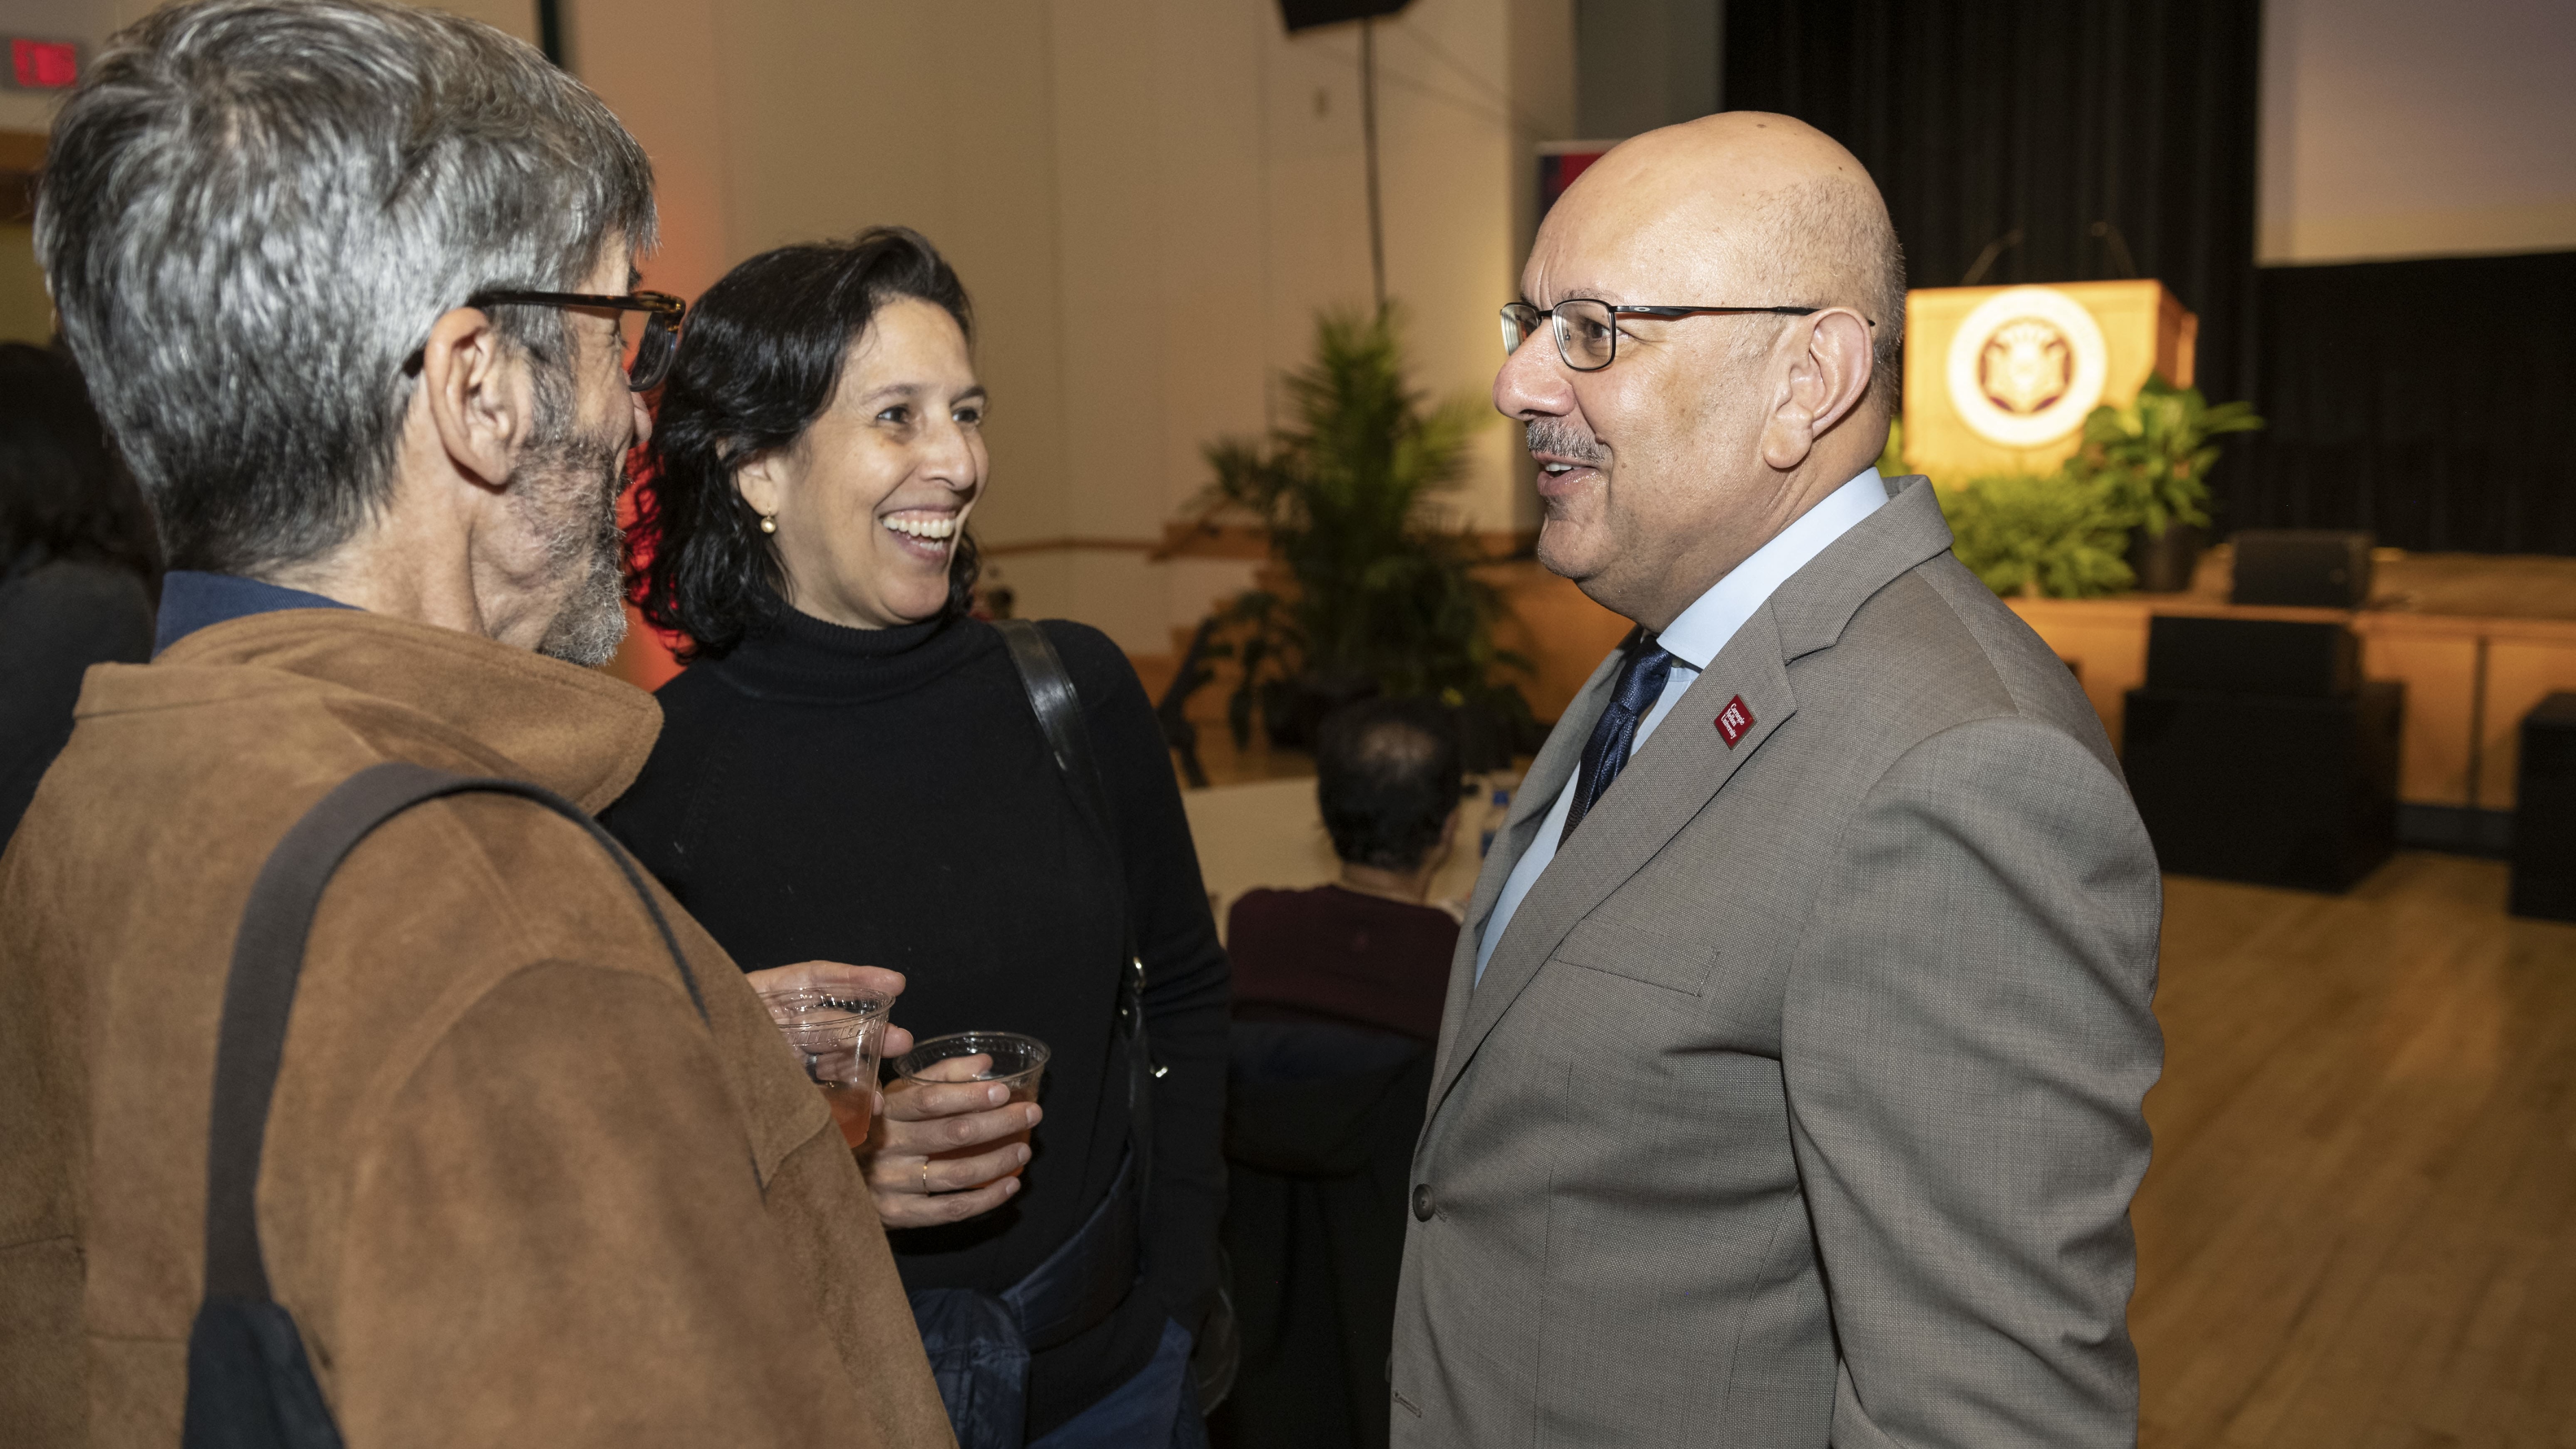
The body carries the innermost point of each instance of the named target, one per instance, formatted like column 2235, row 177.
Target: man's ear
column 1828, row 376
column 480, row 398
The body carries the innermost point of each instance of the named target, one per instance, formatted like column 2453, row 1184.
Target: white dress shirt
column 1693, row 640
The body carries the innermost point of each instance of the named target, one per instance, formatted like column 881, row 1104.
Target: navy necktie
column 1641, row 683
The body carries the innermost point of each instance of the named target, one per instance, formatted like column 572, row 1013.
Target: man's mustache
column 1562, row 439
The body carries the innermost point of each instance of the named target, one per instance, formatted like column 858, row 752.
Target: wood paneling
column 2360, row 1226
column 2458, row 734
column 2441, row 701
column 2524, row 666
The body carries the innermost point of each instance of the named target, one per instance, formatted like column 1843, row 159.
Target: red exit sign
column 44, row 65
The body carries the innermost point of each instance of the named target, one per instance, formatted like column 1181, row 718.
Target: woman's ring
column 925, row 1177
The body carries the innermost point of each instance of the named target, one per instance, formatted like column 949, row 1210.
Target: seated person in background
column 78, row 563
column 1365, row 950
column 1337, row 1001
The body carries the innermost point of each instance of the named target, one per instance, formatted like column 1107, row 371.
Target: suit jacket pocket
column 1672, row 962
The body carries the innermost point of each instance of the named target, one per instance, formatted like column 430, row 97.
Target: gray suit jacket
column 1800, row 1101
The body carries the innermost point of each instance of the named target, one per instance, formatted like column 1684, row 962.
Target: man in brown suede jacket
column 515, row 1190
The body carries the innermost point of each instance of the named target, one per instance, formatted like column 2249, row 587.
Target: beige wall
column 1148, row 198
column 2393, row 128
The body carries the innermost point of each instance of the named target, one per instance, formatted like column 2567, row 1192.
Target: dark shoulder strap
column 1058, row 706
column 268, row 956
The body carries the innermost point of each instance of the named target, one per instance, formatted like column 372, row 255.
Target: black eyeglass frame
column 653, row 351
column 1515, row 332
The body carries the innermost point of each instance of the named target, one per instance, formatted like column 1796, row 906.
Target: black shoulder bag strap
column 1058, row 707
column 1053, row 699
column 249, row 1384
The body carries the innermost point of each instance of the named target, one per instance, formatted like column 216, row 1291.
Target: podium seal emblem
column 2026, row 366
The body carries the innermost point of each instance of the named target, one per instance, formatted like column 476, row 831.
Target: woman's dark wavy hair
column 62, row 488
column 758, row 363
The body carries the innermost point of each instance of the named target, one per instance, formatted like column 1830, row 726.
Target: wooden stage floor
column 2360, row 1226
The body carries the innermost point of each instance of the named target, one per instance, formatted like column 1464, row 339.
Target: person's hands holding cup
column 834, row 1018
column 954, row 1133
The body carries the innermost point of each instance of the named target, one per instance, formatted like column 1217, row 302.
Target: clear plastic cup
column 1017, row 1062
column 838, row 1035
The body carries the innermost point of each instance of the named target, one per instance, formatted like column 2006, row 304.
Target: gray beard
column 567, row 489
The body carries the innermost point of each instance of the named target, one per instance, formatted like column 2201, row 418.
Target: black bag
column 979, row 1343
column 249, row 1384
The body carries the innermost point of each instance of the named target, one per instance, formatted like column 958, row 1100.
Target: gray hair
column 253, row 210
column 1828, row 242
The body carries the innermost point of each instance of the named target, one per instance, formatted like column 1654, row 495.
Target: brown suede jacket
column 515, row 1190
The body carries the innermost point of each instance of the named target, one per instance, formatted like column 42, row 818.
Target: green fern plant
column 2053, row 535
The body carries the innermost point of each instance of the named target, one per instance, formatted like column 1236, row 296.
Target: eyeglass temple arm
column 1720, row 311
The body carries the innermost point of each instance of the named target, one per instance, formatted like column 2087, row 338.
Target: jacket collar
column 1677, row 771
column 1818, row 600
column 576, row 731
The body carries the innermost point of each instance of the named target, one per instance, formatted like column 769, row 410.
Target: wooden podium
column 1999, row 379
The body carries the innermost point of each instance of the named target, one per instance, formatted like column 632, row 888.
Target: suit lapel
column 1558, row 759
column 1672, row 776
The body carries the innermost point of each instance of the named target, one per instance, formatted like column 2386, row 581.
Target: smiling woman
column 850, row 771
column 818, row 449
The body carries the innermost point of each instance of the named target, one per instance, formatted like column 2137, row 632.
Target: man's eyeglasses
column 1587, row 331
column 649, row 322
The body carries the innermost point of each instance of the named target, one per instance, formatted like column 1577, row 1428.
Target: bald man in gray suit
column 1788, row 1093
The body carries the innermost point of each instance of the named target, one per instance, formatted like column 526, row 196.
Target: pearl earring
column 769, row 523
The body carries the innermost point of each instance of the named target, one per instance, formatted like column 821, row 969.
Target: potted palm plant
column 2153, row 457
column 1377, row 593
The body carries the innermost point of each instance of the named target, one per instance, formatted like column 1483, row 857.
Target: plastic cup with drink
column 838, row 1034
column 1017, row 1062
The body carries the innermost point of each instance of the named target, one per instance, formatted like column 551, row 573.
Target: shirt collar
column 1712, row 619
column 192, row 599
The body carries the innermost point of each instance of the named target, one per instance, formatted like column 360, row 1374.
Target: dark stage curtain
column 2426, row 401
column 1982, row 117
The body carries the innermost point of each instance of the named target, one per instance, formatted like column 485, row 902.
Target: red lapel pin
column 1734, row 720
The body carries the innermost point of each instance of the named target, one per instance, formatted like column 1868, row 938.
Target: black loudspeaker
column 2267, row 790
column 2308, row 569
column 2252, row 656
column 1307, row 14
column 2544, row 813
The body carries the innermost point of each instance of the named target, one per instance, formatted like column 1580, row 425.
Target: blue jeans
column 1159, row 1406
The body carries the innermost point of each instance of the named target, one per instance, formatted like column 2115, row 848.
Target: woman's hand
column 920, row 1162
column 840, row 978
column 831, row 976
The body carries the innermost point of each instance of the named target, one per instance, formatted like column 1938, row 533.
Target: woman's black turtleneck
column 884, row 797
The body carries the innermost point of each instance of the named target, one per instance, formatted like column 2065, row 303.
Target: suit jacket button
column 1422, row 1202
